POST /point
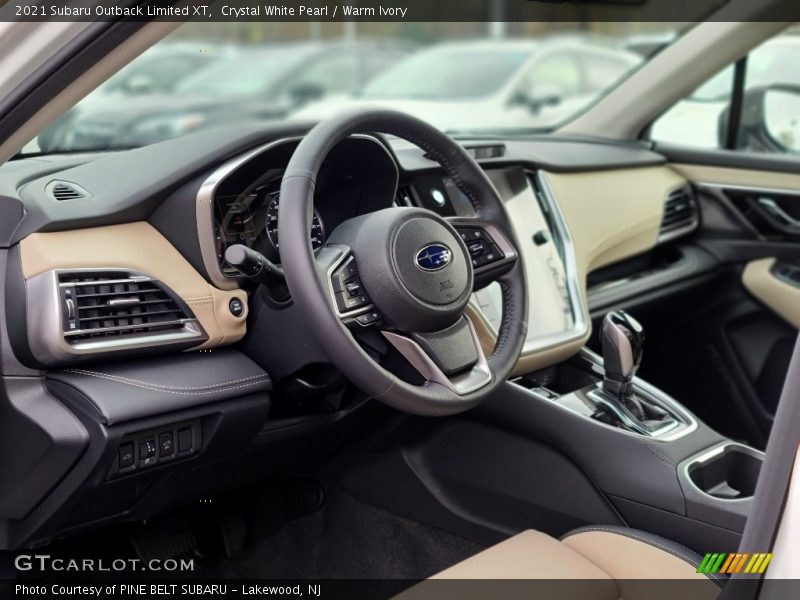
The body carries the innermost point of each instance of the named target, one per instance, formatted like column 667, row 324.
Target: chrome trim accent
column 778, row 213
column 159, row 325
column 204, row 206
column 579, row 313
column 650, row 392
column 204, row 212
column 462, row 384
column 135, row 276
column 48, row 340
column 124, row 302
column 599, row 397
column 708, row 456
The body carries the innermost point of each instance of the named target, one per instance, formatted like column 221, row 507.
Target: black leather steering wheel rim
column 309, row 288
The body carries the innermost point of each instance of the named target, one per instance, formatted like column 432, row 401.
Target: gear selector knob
column 623, row 339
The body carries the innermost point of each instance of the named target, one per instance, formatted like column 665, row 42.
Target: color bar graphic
column 721, row 562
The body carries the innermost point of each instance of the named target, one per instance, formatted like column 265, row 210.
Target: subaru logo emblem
column 434, row 257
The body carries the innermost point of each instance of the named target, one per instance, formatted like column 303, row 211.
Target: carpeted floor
column 347, row 539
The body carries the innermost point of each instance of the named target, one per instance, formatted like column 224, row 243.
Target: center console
column 607, row 392
column 661, row 468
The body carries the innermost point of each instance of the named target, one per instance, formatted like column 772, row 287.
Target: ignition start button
column 236, row 307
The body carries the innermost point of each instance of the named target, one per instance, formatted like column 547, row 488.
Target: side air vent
column 97, row 312
column 64, row 190
column 680, row 214
column 404, row 196
column 109, row 305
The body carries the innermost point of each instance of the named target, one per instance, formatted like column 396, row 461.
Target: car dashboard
column 151, row 371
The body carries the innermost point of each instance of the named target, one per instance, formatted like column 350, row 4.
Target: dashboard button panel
column 146, row 449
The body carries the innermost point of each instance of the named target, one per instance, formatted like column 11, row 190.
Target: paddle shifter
column 623, row 339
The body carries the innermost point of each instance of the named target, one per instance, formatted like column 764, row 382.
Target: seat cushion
column 529, row 555
column 626, row 553
column 617, row 562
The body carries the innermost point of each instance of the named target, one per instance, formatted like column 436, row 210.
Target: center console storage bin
column 728, row 475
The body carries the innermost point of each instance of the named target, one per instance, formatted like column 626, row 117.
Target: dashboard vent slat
column 100, row 305
column 681, row 215
column 64, row 190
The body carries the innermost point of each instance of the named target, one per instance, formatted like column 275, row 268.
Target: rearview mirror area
column 538, row 97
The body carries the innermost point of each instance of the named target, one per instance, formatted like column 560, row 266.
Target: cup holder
column 729, row 472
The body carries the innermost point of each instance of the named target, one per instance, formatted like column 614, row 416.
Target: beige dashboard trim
column 138, row 246
column 613, row 214
column 610, row 215
column 778, row 295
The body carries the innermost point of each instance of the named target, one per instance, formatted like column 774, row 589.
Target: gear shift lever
column 623, row 339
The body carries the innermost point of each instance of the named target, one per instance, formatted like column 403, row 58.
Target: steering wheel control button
column 368, row 318
column 147, row 453
column 236, row 306
column 127, row 457
column 348, row 289
column 166, row 445
column 482, row 248
column 344, row 275
column 353, row 287
column 346, row 303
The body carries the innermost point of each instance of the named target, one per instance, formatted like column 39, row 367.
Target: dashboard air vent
column 404, row 196
column 680, row 214
column 103, row 305
column 63, row 190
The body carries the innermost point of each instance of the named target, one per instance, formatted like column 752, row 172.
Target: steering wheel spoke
column 348, row 296
column 489, row 249
column 452, row 357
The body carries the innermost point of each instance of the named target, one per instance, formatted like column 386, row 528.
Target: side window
column 761, row 115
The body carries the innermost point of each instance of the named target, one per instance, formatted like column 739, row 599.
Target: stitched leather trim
column 682, row 552
column 186, row 391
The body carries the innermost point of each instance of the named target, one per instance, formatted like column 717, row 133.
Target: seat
column 604, row 562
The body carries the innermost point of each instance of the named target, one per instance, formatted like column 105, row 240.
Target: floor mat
column 347, row 539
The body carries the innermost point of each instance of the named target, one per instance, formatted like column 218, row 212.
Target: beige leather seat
column 611, row 562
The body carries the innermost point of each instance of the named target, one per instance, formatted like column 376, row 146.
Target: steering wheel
column 405, row 272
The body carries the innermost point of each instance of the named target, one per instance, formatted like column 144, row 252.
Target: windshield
column 242, row 75
column 457, row 73
column 467, row 78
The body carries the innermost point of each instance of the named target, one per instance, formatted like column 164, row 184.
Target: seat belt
column 769, row 501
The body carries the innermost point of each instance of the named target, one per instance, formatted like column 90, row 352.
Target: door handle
column 776, row 212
